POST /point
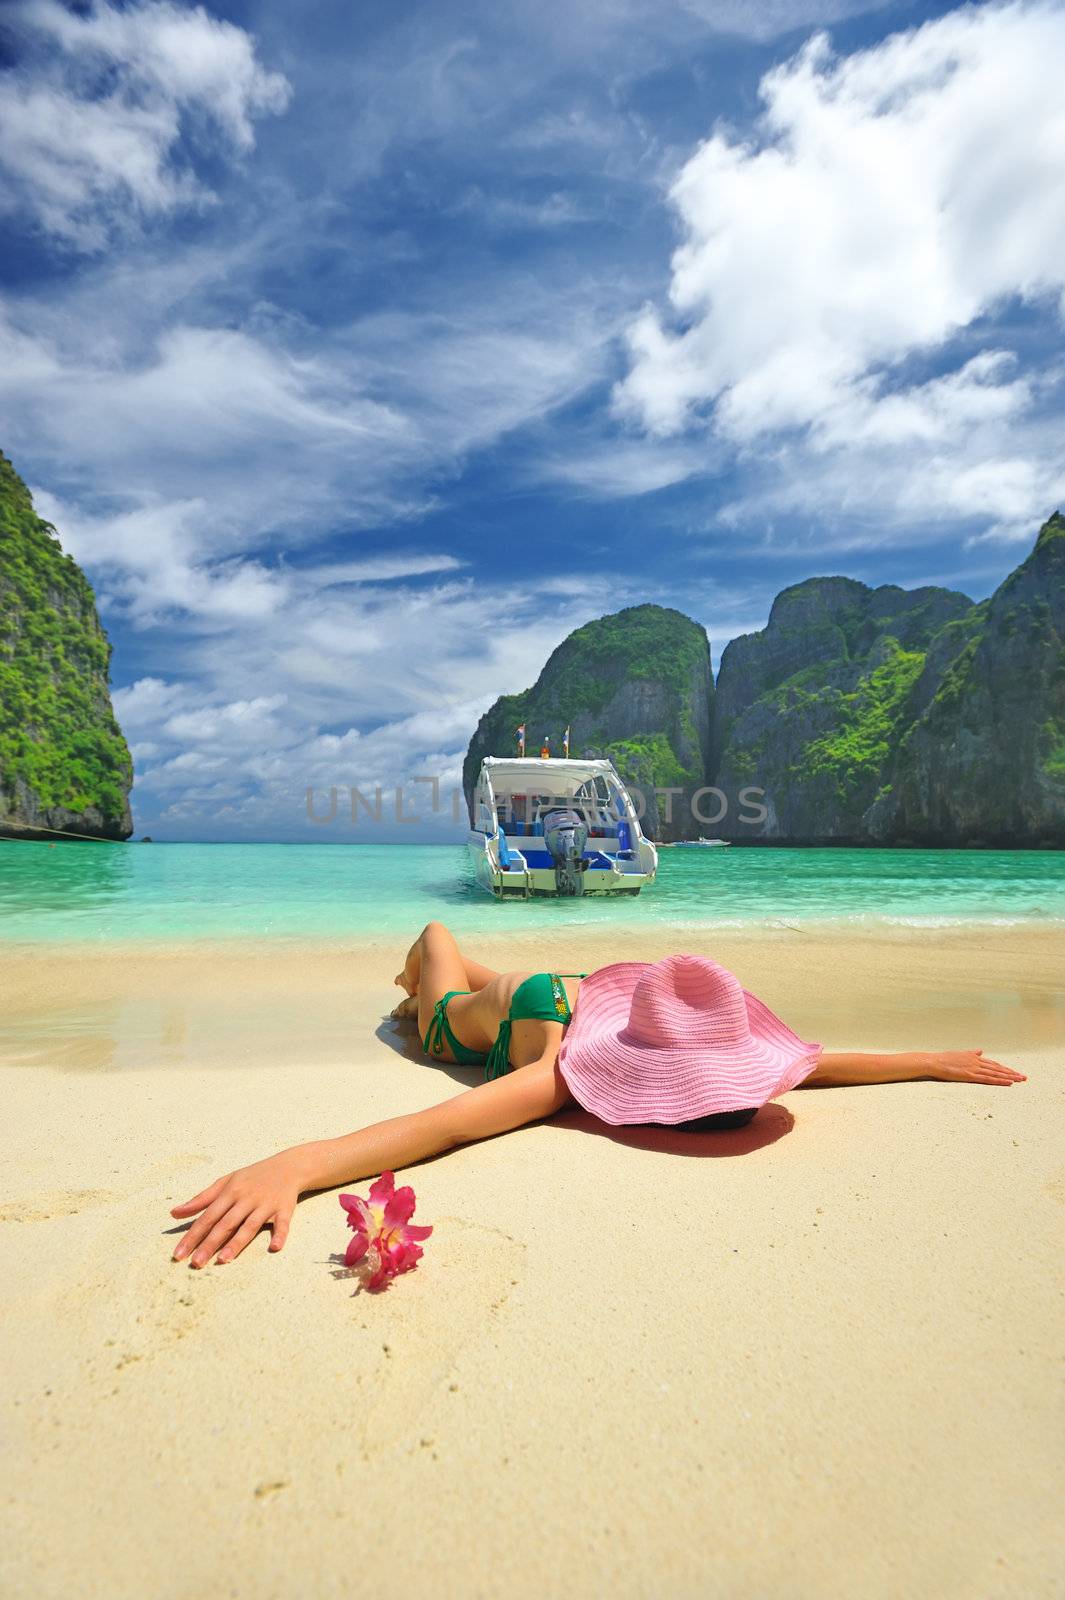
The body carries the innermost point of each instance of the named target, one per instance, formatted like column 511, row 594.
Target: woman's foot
column 406, row 1010
column 401, row 980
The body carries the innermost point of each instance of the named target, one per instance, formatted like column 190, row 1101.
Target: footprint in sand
column 60, row 1203
column 68, row 1202
column 453, row 1308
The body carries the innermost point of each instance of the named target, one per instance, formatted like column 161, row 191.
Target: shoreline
column 189, row 1003
column 866, row 925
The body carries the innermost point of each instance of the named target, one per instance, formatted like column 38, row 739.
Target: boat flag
column 545, row 748
column 521, row 739
column 565, row 743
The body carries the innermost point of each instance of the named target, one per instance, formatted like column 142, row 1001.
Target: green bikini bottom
column 541, row 998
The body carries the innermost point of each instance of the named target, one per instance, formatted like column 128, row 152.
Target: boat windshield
column 594, row 800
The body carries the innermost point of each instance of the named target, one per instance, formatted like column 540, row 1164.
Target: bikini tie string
column 498, row 1061
column 434, row 1034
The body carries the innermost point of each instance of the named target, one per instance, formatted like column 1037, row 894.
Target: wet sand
column 814, row 1357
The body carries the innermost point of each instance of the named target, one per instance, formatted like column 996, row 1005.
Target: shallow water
column 118, row 893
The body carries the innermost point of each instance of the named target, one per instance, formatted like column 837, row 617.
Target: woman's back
column 477, row 1018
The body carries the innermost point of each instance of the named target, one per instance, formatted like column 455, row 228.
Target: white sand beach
column 819, row 1356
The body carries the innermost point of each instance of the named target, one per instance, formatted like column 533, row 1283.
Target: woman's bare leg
column 434, row 966
column 475, row 976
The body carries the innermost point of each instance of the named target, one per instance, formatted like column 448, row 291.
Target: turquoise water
column 117, row 893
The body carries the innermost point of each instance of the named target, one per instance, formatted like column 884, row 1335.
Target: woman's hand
column 970, row 1066
column 235, row 1208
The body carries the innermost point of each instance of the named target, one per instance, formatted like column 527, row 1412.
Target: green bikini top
column 541, row 998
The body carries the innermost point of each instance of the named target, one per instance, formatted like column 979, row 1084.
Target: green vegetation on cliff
column 814, row 707
column 649, row 759
column 867, row 722
column 985, row 758
column 1054, row 744
column 891, row 714
column 581, row 674
column 60, row 746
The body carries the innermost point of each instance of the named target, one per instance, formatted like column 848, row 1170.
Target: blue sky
column 359, row 352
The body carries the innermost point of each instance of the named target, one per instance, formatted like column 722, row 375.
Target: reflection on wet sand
column 253, row 1004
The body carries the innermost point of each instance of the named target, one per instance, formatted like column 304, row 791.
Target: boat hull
column 523, row 882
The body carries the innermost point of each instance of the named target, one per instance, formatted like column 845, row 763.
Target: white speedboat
column 546, row 827
column 721, row 844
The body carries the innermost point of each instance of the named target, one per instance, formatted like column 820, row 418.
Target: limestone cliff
column 812, row 708
column 64, row 765
column 865, row 716
column 635, row 687
column 985, row 758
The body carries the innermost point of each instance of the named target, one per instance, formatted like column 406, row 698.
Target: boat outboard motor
column 565, row 835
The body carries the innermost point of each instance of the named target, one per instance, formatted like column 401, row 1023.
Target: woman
column 677, row 1042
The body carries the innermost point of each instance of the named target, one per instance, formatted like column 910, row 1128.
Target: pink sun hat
column 667, row 1041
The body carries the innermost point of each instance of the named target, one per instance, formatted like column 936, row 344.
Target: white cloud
column 282, row 437
column 625, row 468
column 237, row 722
column 214, row 752
column 502, row 364
column 767, row 19
column 158, row 559
column 941, row 411
column 162, row 559
column 141, row 704
column 505, row 211
column 965, row 450
column 892, row 198
column 94, row 113
column 378, row 569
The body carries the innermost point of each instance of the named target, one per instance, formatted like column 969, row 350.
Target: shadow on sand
column 771, row 1123
column 403, row 1038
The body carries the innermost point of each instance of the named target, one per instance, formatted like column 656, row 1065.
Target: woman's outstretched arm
column 238, row 1206
column 838, row 1068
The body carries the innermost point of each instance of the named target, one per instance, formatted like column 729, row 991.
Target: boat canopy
column 522, row 774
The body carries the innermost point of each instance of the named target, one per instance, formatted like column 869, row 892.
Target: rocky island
column 64, row 765
column 866, row 716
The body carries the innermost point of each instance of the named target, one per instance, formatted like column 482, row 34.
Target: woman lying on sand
column 677, row 1042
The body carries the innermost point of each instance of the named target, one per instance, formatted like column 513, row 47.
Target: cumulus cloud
column 96, row 108
column 370, row 681
column 211, row 749
column 157, row 559
column 284, row 436
column 890, row 199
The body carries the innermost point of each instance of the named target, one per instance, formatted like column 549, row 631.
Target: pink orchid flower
column 385, row 1241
